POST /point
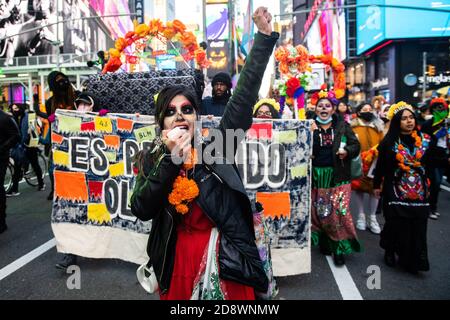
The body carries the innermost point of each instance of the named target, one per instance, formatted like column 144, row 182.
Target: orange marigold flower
column 114, row 53
column 113, row 64
column 178, row 26
column 120, row 44
column 155, row 27
column 182, row 208
column 142, row 30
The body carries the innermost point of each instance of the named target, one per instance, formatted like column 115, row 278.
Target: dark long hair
column 165, row 97
column 63, row 99
column 394, row 129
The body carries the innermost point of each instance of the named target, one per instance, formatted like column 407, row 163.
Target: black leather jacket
column 222, row 194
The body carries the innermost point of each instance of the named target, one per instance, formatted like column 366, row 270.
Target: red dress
column 193, row 237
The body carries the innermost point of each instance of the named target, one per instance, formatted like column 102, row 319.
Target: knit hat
column 51, row 78
column 222, row 77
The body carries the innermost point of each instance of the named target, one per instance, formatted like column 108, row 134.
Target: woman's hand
column 377, row 193
column 262, row 19
column 342, row 154
column 314, row 127
column 179, row 146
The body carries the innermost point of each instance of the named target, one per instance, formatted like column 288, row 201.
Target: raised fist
column 263, row 20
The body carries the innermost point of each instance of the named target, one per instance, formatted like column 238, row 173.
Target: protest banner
column 94, row 180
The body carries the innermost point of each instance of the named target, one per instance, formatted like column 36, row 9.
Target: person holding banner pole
column 202, row 242
column 63, row 97
column 334, row 145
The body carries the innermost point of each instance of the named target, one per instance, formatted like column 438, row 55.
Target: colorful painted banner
column 94, row 180
column 93, row 184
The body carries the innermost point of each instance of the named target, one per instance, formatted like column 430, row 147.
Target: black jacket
column 9, row 134
column 222, row 194
column 342, row 168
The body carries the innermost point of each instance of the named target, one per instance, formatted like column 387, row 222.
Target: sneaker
column 12, row 194
column 66, row 261
column 373, row 225
column 437, row 213
column 42, row 188
column 433, row 216
column 339, row 259
column 361, row 222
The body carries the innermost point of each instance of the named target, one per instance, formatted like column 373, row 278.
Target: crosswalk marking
column 22, row 261
column 344, row 280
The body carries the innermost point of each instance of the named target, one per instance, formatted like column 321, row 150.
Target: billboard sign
column 378, row 22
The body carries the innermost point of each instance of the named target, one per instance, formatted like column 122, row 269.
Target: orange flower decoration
column 142, row 30
column 184, row 191
column 178, row 26
column 121, row 44
column 156, row 26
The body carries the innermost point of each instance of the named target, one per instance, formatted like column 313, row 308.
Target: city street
column 29, row 228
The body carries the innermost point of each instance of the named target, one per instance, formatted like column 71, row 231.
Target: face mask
column 310, row 114
column 63, row 84
column 264, row 116
column 439, row 116
column 327, row 121
column 428, row 116
column 367, row 116
column 84, row 107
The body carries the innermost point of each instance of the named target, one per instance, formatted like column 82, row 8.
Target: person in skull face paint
column 369, row 131
column 334, row 145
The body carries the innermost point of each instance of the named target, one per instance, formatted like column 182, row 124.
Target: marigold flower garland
column 143, row 33
column 405, row 159
column 184, row 190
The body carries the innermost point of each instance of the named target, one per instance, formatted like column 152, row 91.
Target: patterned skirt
column 332, row 225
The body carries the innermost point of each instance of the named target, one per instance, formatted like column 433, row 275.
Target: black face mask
column 310, row 114
column 367, row 116
column 63, row 84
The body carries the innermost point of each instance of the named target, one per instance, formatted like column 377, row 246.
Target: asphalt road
column 29, row 227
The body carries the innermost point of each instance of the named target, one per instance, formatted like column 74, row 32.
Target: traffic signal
column 431, row 70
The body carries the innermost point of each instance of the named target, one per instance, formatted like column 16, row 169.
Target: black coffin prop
column 134, row 92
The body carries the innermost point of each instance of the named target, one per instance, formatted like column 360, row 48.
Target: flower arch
column 338, row 72
column 143, row 34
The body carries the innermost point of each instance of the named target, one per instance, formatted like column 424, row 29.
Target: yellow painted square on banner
column 60, row 158
column 117, row 169
column 299, row 171
column 289, row 136
column 97, row 212
column 69, row 124
column 145, row 134
column 103, row 124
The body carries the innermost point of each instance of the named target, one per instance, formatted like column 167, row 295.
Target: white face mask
column 82, row 106
column 428, row 117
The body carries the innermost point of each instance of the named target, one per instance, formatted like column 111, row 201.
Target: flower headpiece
column 395, row 108
column 268, row 101
column 439, row 101
column 324, row 93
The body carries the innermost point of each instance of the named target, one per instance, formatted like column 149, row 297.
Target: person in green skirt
column 334, row 146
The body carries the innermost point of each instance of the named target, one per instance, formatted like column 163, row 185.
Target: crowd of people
column 402, row 152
